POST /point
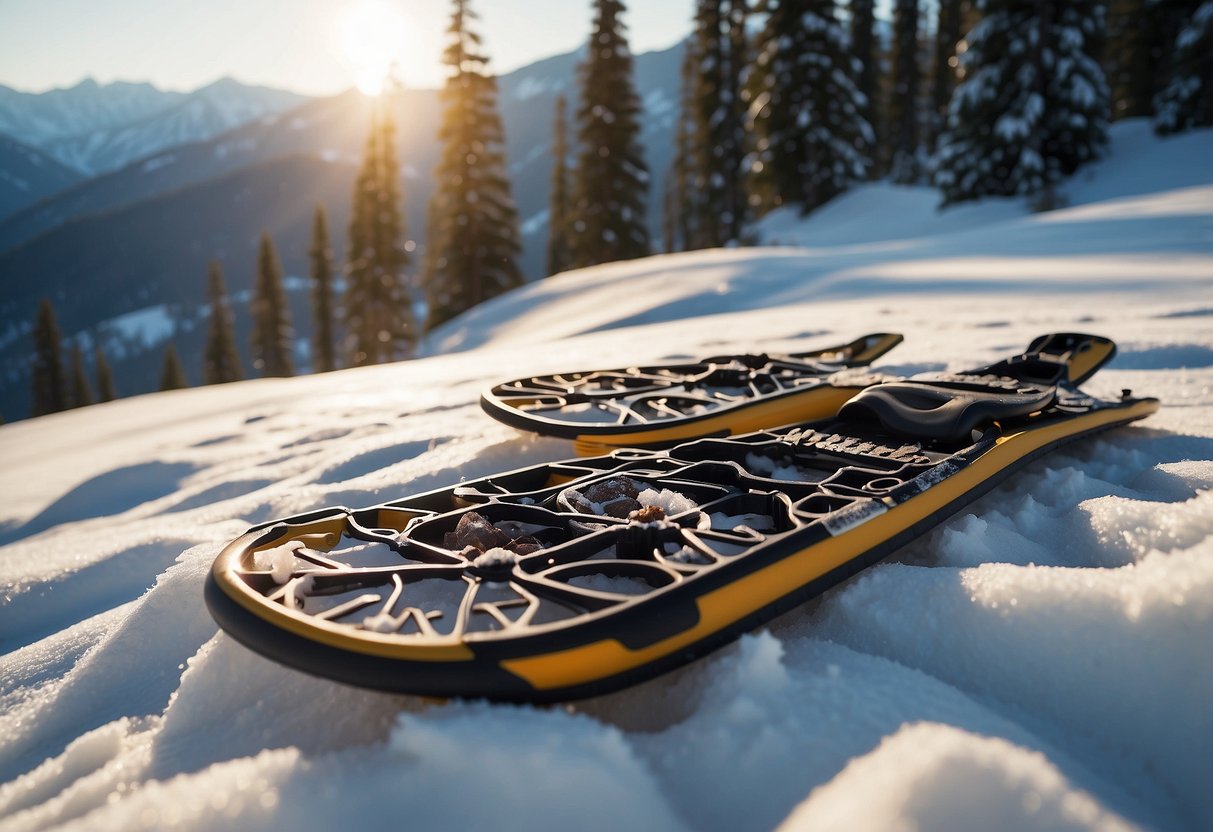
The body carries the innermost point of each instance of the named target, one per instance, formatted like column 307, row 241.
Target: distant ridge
column 95, row 128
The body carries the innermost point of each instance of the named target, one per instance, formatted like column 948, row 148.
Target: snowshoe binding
column 576, row 578
column 660, row 406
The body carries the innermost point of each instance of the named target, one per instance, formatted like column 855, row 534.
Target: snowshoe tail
column 660, row 406
column 575, row 578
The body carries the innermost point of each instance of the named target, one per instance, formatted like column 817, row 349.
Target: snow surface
column 1043, row 660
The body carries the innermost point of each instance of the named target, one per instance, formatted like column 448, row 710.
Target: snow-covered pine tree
column 812, row 139
column 904, row 163
column 273, row 336
column 472, row 226
column 1033, row 105
column 943, row 73
column 678, row 212
column 172, row 374
column 867, row 75
column 379, row 321
column 324, row 312
column 220, row 358
column 48, row 381
column 1187, row 99
column 82, row 391
column 559, row 253
column 611, row 180
column 721, row 143
column 105, row 376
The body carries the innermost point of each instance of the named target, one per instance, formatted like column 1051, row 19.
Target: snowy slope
column 1044, row 660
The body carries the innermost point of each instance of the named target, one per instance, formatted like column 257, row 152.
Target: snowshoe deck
column 576, row 578
column 660, row 406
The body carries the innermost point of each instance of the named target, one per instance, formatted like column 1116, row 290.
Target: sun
column 374, row 35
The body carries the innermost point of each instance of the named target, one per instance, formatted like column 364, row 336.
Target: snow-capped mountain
column 96, row 128
column 38, row 118
column 199, row 115
column 335, row 128
column 28, row 174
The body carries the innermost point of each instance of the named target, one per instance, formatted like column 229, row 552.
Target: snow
column 1042, row 660
column 669, row 501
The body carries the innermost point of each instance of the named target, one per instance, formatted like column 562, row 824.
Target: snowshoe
column 577, row 578
column 660, row 406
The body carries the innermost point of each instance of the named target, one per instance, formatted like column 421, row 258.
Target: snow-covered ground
column 1043, row 660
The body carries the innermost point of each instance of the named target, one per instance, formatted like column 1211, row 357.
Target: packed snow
column 1041, row 660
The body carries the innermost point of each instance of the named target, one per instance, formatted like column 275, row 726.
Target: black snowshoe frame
column 591, row 598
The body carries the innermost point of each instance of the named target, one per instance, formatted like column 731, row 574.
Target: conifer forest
column 782, row 104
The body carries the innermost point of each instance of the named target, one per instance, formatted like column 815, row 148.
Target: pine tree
column 1033, row 105
column 943, row 74
column 611, row 180
column 559, row 249
column 472, row 226
column 49, row 383
column 719, row 122
column 678, row 216
column 105, row 376
column 273, row 335
column 379, row 321
column 82, row 391
column 324, row 326
column 904, row 166
column 805, row 109
column 221, row 359
column 866, row 56
column 1187, row 100
column 172, row 374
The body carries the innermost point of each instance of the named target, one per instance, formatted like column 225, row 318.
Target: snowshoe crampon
column 575, row 578
column 660, row 406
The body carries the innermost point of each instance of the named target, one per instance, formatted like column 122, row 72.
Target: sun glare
column 374, row 35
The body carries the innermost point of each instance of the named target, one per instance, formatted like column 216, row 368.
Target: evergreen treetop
column 1186, row 101
column 904, row 161
column 172, row 374
column 559, row 254
column 805, row 109
column 105, row 376
column 48, row 380
column 1032, row 107
column 472, row 223
column 678, row 215
column 273, row 335
column 611, row 179
column 221, row 359
column 82, row 391
column 943, row 74
column 324, row 325
column 379, row 321
column 721, row 142
column 867, row 63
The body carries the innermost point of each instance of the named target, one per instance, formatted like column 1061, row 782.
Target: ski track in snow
column 1042, row 660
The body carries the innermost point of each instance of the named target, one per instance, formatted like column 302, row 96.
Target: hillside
column 27, row 175
column 103, row 280
column 1041, row 661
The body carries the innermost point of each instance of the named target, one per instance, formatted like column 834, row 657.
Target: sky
column 317, row 47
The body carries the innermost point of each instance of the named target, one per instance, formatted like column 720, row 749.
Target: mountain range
column 74, row 244
column 96, row 128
